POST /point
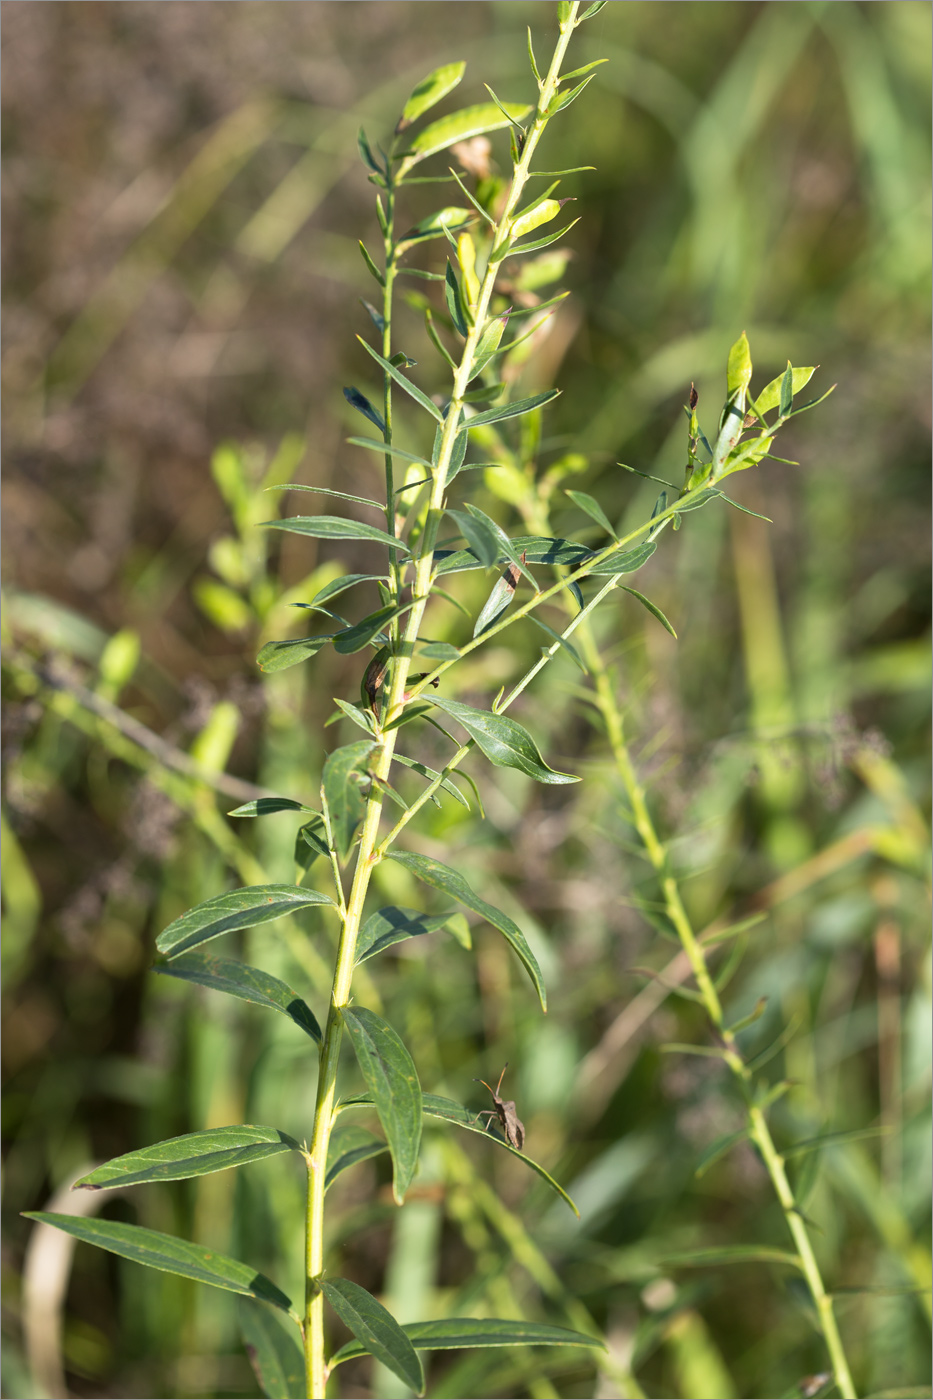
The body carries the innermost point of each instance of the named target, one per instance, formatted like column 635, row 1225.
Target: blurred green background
column 182, row 200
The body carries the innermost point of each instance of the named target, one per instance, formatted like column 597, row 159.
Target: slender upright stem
column 758, row 1130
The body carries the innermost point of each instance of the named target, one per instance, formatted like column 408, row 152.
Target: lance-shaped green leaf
column 279, row 656
column 489, row 341
column 171, row 1255
column 311, row 842
column 482, row 541
column 342, row 793
column 512, row 410
column 561, row 642
column 451, row 882
column 411, row 389
column 430, row 91
column 731, row 1254
column 457, row 454
column 653, row 608
column 334, row 527
column 454, row 1333
column 274, row 1355
column 454, row 300
column 193, row 1154
column 376, row 1329
column 593, row 509
column 391, row 1077
column 739, row 367
column 499, row 599
column 357, row 637
column 432, row 775
column 244, row 908
column 387, row 449
column 459, row 126
column 361, row 402
column 340, row 585
column 247, row 983
column 626, row 561
column 771, row 394
column 504, row 741
column 449, row 220
column 265, row 806
column 349, row 1145
column 393, row 925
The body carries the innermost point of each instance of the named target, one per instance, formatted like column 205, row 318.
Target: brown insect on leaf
column 509, row 1121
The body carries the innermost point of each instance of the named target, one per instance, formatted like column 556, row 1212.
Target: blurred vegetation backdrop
column 183, row 200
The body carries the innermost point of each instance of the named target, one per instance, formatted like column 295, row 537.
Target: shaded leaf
column 451, row 882
column 247, row 983
column 731, row 1254
column 392, row 1079
column 438, row 651
column 334, row 527
column 411, row 389
column 341, row 787
column 482, row 541
column 562, row 642
column 393, row 925
column 350, row 1145
column 718, row 1149
column 454, row 301
column 275, row 1356
column 243, row 908
column 265, row 806
column 357, row 637
column 504, row 741
column 376, row 1328
column 512, row 410
column 168, row 1253
column 193, row 1154
column 432, row 775
column 361, row 402
column 499, row 599
column 627, row 561
column 452, row 1333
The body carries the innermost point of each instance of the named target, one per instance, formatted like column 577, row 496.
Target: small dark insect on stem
column 512, row 1126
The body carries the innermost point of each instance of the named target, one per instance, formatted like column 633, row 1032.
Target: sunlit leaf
column 357, row 637
column 376, row 1329
column 459, row 126
column 342, row 792
column 265, row 806
column 512, row 410
column 430, row 91
column 593, row 509
column 482, row 541
column 411, row 389
column 334, row 527
column 193, row 1154
column 455, row 1333
column 504, row 741
column 393, row 925
column 279, row 656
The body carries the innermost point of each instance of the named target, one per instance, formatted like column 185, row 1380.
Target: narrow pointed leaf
column 449, row 220
column 376, row 1329
column 431, row 774
column 451, row 882
column 393, row 925
column 274, row 1355
column 392, row 1079
column 482, row 541
column 459, row 126
column 374, row 445
column 626, row 561
column 718, row 1149
column 279, row 656
column 564, row 99
column 368, row 260
column 456, row 1333
column 431, row 89
column 770, row 395
column 247, row 983
column 457, row 454
column 731, row 1254
column 243, row 908
column 512, row 410
column 265, row 806
column 329, row 491
column 357, row 637
column 361, row 402
column 787, row 391
column 455, row 301
column 366, row 154
column 411, row 389
column 171, row 1255
column 439, row 651
column 341, row 785
column 489, row 341
column 562, row 642
column 193, row 1154
column 653, row 608
column 334, row 527
column 504, row 741
column 593, row 509
column 356, row 714
column 499, row 599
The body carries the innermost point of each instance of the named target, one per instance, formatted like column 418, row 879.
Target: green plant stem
column 758, row 1130
column 368, row 855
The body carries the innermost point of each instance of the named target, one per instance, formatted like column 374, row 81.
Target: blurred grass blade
column 193, row 1154
column 275, row 1356
column 730, row 1254
column 376, row 1328
column 392, row 1079
column 248, row 983
column 168, row 1253
column 243, row 908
